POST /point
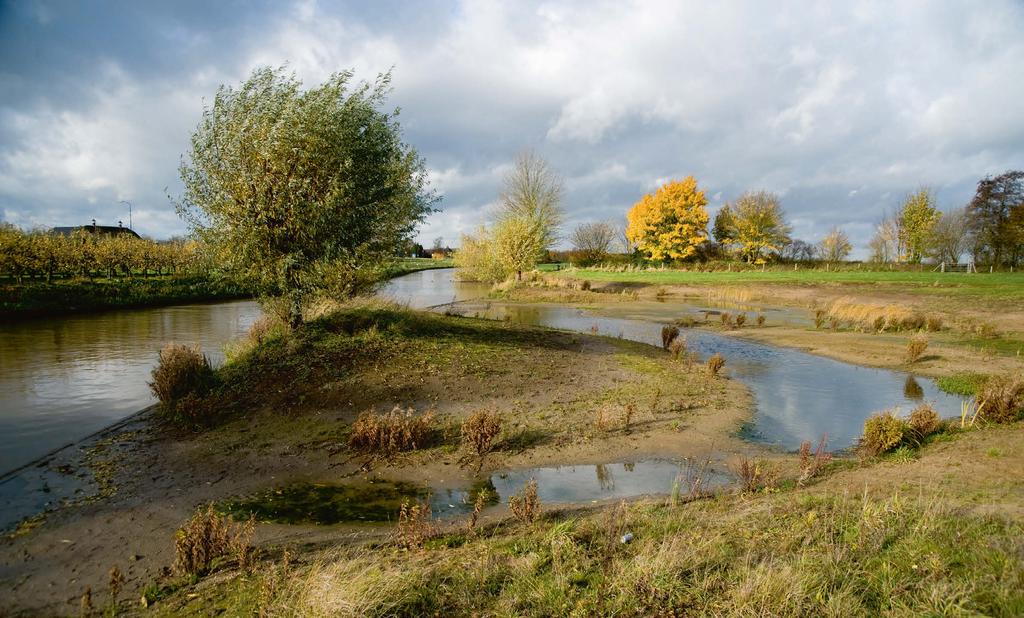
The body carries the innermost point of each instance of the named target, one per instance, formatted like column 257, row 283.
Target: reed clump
column 882, row 318
column 180, row 370
column 755, row 474
column 813, row 462
column 916, row 347
column 207, row 537
column 525, row 505
column 481, row 430
column 397, row 430
column 668, row 335
column 678, row 348
column 1001, row 399
column 715, row 364
column 924, row 421
column 415, row 525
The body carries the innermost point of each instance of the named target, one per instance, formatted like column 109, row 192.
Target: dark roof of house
column 108, row 230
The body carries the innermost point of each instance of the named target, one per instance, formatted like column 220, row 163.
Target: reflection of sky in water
column 584, row 483
column 63, row 378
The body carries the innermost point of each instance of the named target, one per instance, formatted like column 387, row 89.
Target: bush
column 415, row 525
column 480, row 429
column 1001, row 399
column 208, row 536
column 882, row 433
column 678, row 348
column 525, row 505
column 916, row 347
column 715, row 364
column 756, row 474
column 181, row 370
column 668, row 335
column 398, row 430
column 924, row 421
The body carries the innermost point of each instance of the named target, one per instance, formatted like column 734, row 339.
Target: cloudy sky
column 841, row 108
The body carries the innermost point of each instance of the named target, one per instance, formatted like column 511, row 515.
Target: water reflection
column 912, row 390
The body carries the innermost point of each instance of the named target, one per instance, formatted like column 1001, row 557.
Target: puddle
column 592, row 483
column 378, row 501
column 325, row 504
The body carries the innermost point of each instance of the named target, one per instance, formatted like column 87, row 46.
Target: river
column 62, row 379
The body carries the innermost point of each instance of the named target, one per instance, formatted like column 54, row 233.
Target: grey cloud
column 841, row 109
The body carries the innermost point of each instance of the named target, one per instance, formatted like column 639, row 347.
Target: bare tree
column 533, row 191
column 885, row 244
column 951, row 236
column 438, row 244
column 622, row 238
column 593, row 240
column 835, row 247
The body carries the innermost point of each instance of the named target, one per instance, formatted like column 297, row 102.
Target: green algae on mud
column 326, row 504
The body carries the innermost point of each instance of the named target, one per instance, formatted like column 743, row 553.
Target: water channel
column 64, row 378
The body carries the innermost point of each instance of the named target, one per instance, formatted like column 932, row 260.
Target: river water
column 64, row 378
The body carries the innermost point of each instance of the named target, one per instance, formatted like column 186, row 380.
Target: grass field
column 996, row 286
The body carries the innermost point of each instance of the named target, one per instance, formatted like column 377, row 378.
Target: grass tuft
column 480, row 430
column 715, row 364
column 397, row 430
column 916, row 347
column 208, row 536
column 525, row 505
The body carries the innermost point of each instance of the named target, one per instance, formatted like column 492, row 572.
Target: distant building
column 99, row 230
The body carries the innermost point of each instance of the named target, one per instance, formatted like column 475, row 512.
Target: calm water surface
column 799, row 396
column 65, row 378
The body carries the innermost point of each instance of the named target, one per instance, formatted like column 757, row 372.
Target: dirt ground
column 154, row 478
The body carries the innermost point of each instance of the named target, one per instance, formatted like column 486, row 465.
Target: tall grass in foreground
column 790, row 556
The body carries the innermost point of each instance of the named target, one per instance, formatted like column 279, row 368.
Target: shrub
column 678, row 348
column 1001, row 399
column 715, row 364
column 916, row 347
column 882, row 433
column 741, row 319
column 924, row 421
column 398, row 430
column 415, row 525
column 755, row 474
column 812, row 463
column 181, row 370
column 208, row 536
column 668, row 335
column 480, row 429
column 525, row 505
column 933, row 323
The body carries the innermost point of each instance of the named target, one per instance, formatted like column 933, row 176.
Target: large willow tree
column 304, row 192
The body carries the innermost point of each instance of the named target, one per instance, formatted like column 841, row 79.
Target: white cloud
column 839, row 108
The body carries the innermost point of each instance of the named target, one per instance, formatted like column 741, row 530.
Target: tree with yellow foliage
column 671, row 223
column 754, row 225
